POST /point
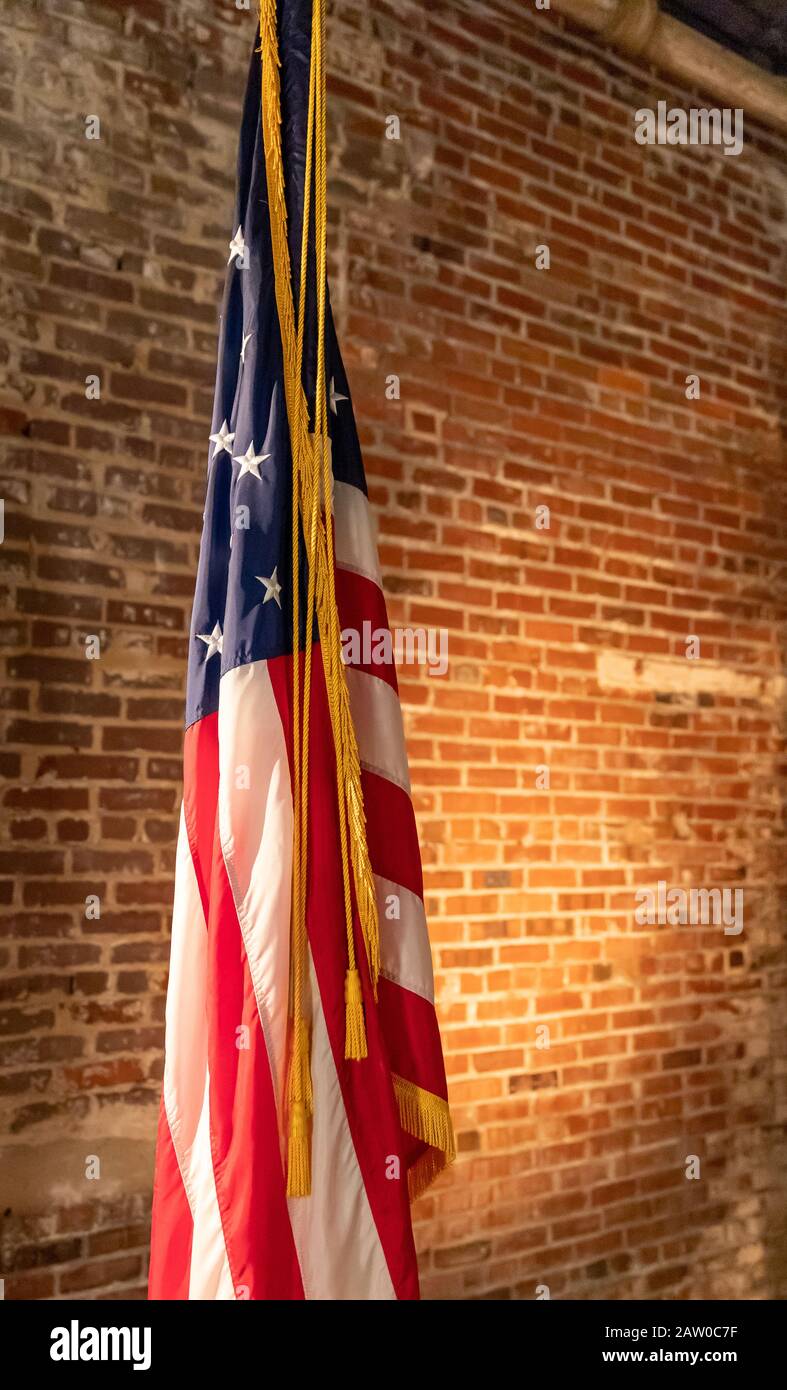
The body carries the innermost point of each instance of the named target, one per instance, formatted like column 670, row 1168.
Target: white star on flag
column 334, row 397
column 237, row 246
column 222, row 439
column 250, row 462
column 272, row 586
column 246, row 338
column 213, row 641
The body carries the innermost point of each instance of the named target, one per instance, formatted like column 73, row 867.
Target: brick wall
column 519, row 388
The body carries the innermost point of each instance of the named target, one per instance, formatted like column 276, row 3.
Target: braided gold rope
column 299, row 1086
column 311, row 464
column 299, row 1081
column 355, row 1032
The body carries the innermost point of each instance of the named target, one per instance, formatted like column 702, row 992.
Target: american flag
column 224, row 1226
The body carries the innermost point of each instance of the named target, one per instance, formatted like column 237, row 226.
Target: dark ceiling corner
column 757, row 29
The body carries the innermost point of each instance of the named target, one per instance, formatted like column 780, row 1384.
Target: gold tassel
column 355, row 1026
column 299, row 1178
column 301, row 1103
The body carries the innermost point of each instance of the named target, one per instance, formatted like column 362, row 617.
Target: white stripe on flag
column 255, row 826
column 186, row 1076
column 404, row 943
column 210, row 1276
column 377, row 717
column 354, row 532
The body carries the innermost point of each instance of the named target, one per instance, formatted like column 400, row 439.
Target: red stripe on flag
column 361, row 601
column 366, row 1086
column 171, row 1226
column 200, row 796
column 410, row 1026
column 391, row 832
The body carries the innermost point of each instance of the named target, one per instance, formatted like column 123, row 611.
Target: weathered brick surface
column 519, row 388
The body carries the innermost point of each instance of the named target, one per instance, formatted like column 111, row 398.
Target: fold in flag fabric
column 304, row 1096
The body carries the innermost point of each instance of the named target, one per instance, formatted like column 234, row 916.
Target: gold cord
column 312, row 475
column 299, row 1082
